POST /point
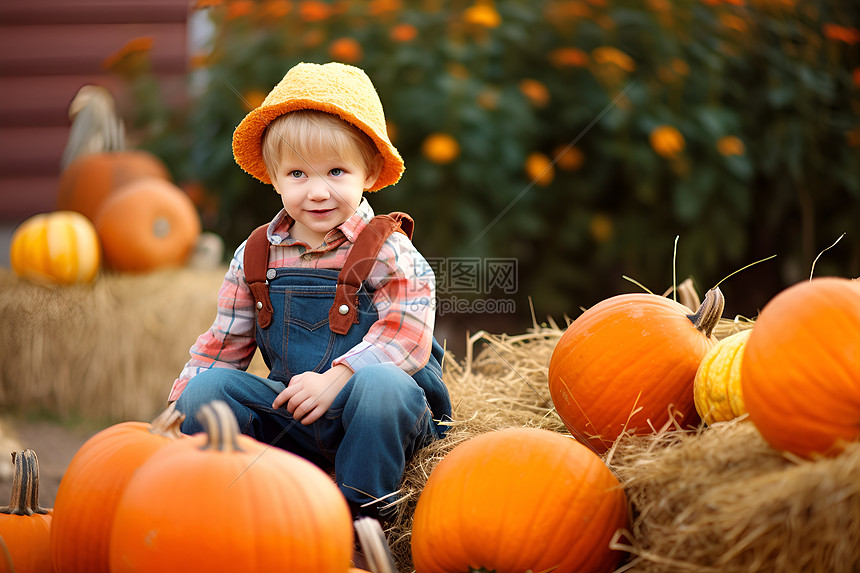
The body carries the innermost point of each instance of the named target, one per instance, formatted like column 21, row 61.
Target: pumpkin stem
column 688, row 295
column 25, row 485
column 221, row 427
column 708, row 315
column 375, row 545
column 167, row 423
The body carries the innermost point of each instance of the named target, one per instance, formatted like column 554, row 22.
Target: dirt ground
column 54, row 443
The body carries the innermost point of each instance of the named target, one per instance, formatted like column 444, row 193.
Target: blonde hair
column 310, row 133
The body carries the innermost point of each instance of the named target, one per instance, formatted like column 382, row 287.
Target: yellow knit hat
column 335, row 88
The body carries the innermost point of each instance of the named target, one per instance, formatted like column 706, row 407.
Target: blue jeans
column 376, row 422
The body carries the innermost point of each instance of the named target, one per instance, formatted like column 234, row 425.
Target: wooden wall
column 48, row 50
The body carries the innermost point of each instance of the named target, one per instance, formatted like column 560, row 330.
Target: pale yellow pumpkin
column 60, row 247
column 717, row 386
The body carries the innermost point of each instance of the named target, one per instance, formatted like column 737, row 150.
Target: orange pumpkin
column 519, row 499
column 92, row 484
column 222, row 501
column 60, row 247
column 628, row 364
column 800, row 375
column 25, row 527
column 90, row 179
column 147, row 225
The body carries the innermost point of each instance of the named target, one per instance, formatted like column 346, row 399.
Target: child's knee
column 205, row 387
column 389, row 385
column 221, row 384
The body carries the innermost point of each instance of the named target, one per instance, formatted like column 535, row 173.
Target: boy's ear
column 374, row 172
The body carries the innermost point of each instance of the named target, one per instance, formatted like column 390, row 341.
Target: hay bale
column 108, row 351
column 722, row 500
column 718, row 499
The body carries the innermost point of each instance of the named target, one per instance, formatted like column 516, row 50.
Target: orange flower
column 346, row 50
column 730, row 145
column 605, row 21
column 569, row 157
column 457, row 70
column 207, row 3
column 392, row 130
column 666, row 141
column 680, row 67
column 313, row 37
column 199, row 60
column 839, row 33
column 733, row 22
column 131, row 57
column 539, row 169
column 239, row 8
column 379, row 7
column 339, row 7
column 609, row 55
column 600, row 227
column 569, row 10
column 275, row 9
column 488, row 99
column 568, row 58
column 252, row 99
column 314, row 10
column 440, row 148
column 404, row 33
column 774, row 5
column 482, row 14
column 535, row 91
column 660, row 5
column 852, row 136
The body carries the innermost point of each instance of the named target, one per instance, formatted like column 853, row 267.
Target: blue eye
column 336, row 172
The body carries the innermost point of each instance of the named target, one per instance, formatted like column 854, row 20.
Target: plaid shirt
column 404, row 287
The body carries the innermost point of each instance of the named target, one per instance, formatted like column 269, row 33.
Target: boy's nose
column 319, row 191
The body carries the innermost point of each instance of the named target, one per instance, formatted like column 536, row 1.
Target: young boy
column 339, row 303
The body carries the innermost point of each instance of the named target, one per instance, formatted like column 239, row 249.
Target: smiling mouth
column 320, row 212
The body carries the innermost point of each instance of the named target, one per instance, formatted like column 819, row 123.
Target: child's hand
column 309, row 395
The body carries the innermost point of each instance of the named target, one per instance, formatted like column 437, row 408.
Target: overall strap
column 256, row 264
column 344, row 310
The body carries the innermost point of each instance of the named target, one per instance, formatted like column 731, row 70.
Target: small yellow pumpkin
column 717, row 386
column 60, row 247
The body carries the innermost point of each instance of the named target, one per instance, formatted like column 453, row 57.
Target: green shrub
column 553, row 106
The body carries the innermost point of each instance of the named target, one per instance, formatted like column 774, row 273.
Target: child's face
column 321, row 194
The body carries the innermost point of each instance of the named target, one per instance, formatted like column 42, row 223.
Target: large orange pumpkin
column 25, row 527
column 147, row 225
column 515, row 500
column 627, row 364
column 92, row 484
column 90, row 179
column 800, row 375
column 222, row 501
column 60, row 247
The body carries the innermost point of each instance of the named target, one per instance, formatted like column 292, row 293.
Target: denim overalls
column 376, row 422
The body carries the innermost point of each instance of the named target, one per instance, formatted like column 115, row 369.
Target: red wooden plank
column 32, row 150
column 21, row 197
column 44, row 100
column 93, row 11
column 82, row 48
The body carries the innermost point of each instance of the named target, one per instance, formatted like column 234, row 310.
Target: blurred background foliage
column 580, row 137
